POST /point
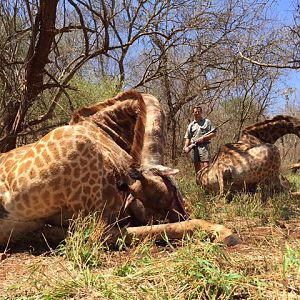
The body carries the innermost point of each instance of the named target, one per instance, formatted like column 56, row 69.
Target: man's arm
column 186, row 145
column 205, row 138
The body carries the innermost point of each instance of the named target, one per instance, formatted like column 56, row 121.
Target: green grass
column 85, row 242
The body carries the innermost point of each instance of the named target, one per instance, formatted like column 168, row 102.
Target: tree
column 279, row 48
column 43, row 50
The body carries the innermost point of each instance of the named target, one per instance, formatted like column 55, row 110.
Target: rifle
column 193, row 145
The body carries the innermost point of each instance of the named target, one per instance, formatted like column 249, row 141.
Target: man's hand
column 189, row 148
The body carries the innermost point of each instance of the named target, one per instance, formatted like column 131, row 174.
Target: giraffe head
column 155, row 187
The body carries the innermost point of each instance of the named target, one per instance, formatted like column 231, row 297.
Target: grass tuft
column 85, row 242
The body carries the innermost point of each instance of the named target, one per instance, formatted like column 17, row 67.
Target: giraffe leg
column 221, row 183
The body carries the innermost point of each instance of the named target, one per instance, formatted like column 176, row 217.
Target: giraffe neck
column 136, row 122
column 118, row 121
column 270, row 131
column 122, row 118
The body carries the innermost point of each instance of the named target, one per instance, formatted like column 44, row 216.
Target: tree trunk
column 43, row 35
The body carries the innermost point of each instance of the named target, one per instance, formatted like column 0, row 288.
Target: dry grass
column 265, row 266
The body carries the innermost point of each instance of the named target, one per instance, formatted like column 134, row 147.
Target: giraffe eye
column 122, row 186
column 135, row 174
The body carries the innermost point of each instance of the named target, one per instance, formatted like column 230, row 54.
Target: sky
column 291, row 83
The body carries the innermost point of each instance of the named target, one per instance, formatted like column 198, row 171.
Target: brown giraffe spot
column 59, row 196
column 55, row 152
column 76, row 172
column 29, row 154
column 39, row 147
column 24, row 166
column 46, row 155
column 55, row 183
column 85, row 178
column 45, row 195
column 92, row 181
column 38, row 162
column 81, row 145
column 83, row 162
column 73, row 156
column 21, row 181
column 55, row 169
column 67, row 182
column 20, row 206
column 44, row 173
column 75, row 184
column 57, row 134
column 86, row 189
column 67, row 170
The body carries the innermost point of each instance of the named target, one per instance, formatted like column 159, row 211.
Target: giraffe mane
column 278, row 126
column 287, row 119
column 86, row 111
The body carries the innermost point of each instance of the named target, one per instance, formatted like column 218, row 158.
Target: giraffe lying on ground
column 109, row 159
column 254, row 160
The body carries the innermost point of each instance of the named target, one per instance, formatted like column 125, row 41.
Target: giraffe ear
column 163, row 170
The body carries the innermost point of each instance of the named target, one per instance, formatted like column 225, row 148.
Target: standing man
column 197, row 140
